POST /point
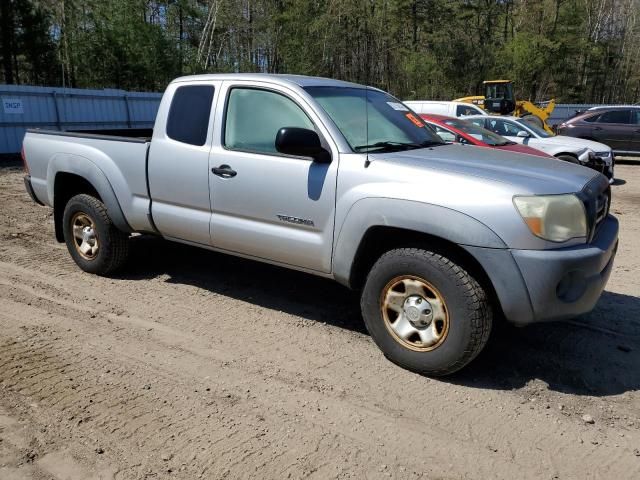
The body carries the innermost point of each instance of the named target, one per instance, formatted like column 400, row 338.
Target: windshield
column 373, row 121
column 539, row 131
column 478, row 133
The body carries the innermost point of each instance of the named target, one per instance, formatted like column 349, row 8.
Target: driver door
column 266, row 204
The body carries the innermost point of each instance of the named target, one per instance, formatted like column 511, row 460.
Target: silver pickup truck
column 343, row 181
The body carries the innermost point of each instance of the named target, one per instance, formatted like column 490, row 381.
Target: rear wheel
column 93, row 241
column 425, row 312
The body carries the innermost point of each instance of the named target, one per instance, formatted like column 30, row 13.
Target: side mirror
column 522, row 134
column 301, row 142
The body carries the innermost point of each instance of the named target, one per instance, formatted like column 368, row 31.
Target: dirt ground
column 192, row 365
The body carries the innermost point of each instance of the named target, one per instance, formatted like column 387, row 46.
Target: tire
column 453, row 335
column 97, row 246
column 569, row 158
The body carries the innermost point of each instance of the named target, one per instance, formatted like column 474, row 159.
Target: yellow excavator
column 499, row 98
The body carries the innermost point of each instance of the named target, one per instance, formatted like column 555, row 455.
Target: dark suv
column 617, row 127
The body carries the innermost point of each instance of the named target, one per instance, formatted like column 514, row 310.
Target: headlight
column 556, row 218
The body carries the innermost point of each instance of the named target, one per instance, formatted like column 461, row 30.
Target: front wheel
column 93, row 241
column 425, row 312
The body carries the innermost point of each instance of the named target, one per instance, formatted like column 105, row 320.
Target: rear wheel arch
column 67, row 185
column 91, row 181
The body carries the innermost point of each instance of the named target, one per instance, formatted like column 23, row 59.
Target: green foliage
column 573, row 50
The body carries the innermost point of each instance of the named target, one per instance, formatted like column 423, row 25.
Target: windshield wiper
column 390, row 146
column 509, row 142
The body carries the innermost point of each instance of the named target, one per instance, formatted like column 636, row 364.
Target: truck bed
column 117, row 157
column 117, row 134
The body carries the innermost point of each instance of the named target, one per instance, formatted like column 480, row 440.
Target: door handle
column 597, row 128
column 224, row 171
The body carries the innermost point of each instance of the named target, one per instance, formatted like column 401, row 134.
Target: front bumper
column 599, row 164
column 608, row 161
column 544, row 285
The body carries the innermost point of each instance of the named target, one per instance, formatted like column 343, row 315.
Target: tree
column 573, row 50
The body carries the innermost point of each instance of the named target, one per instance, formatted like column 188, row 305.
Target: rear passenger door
column 269, row 205
column 614, row 128
column 178, row 166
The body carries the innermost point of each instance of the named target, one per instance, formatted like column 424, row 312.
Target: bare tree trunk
column 208, row 33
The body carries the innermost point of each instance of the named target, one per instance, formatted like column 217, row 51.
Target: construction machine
column 499, row 98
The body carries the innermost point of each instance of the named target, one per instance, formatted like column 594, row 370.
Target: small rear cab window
column 188, row 120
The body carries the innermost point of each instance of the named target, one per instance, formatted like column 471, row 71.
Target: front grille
column 596, row 197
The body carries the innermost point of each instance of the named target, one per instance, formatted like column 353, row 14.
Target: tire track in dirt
column 129, row 411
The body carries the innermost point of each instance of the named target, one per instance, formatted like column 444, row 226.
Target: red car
column 453, row 129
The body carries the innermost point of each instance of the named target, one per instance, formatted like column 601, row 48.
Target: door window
column 504, row 128
column 615, row 116
column 188, row 119
column 462, row 110
column 635, row 117
column 443, row 133
column 254, row 117
column 477, row 121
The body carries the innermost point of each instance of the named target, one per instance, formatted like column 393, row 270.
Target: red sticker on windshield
column 415, row 120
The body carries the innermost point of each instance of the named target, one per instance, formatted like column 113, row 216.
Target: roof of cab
column 300, row 80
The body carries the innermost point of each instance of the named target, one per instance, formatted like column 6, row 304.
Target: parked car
column 575, row 150
column 461, row 131
column 451, row 109
column 617, row 127
column 345, row 182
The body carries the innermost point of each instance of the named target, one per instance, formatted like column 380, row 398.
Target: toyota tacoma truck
column 346, row 182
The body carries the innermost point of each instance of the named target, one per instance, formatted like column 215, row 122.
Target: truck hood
column 520, row 148
column 526, row 173
column 562, row 140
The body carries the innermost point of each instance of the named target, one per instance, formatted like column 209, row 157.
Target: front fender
column 85, row 168
column 435, row 220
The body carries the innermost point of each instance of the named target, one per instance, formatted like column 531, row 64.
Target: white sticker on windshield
column 398, row 106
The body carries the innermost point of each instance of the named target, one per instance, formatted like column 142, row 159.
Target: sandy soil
column 195, row 365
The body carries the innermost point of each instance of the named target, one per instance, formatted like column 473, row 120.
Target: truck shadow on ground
column 597, row 354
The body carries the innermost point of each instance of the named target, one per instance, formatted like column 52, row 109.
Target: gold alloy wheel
column 85, row 237
column 415, row 313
